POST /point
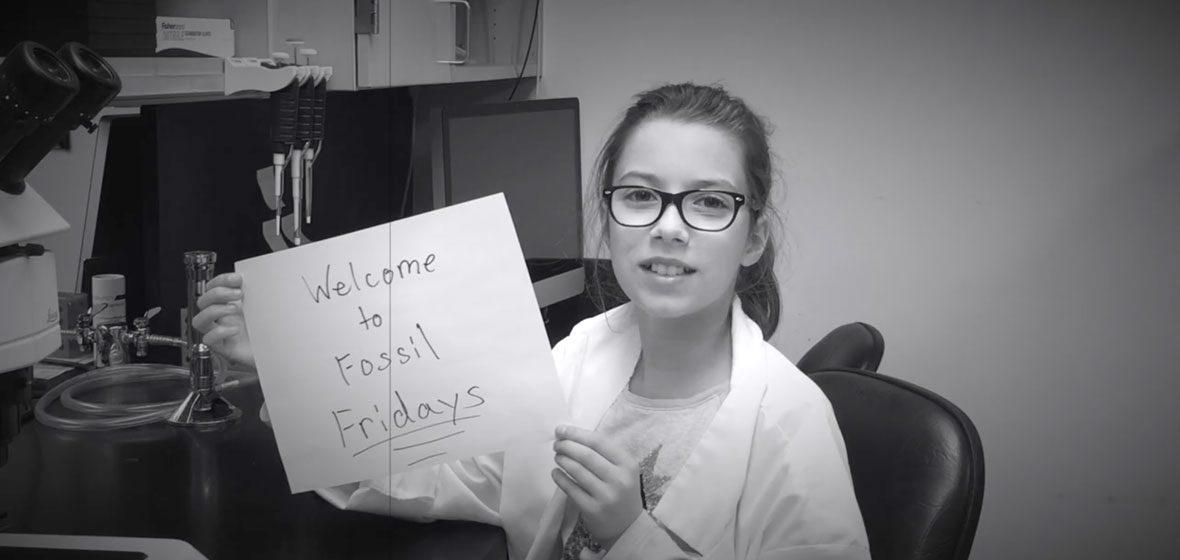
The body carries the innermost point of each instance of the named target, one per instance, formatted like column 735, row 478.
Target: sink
column 111, row 389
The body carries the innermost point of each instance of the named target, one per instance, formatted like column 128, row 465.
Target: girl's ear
column 756, row 243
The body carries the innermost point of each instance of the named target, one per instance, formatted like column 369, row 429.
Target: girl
column 693, row 437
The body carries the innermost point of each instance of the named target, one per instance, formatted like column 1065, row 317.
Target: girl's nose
column 670, row 226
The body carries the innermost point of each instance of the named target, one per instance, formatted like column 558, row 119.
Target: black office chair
column 917, row 464
column 855, row 345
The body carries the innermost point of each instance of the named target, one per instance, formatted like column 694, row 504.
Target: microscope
column 43, row 96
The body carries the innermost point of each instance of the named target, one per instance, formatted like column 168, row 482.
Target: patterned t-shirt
column 660, row 434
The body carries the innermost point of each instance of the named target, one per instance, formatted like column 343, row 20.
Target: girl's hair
column 713, row 106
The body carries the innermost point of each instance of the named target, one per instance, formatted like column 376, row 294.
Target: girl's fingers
column 228, row 280
column 218, row 294
column 604, row 447
column 207, row 318
column 218, row 334
column 571, row 489
column 585, row 479
column 586, row 457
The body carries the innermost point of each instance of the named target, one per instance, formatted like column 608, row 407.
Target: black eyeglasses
column 702, row 209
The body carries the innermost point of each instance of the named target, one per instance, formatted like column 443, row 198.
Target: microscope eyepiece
column 82, row 58
column 95, row 84
column 98, row 83
column 46, row 62
column 34, row 86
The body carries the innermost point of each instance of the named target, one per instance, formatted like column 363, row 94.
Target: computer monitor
column 530, row 151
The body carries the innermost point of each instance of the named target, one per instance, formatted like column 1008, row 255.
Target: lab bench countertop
column 224, row 492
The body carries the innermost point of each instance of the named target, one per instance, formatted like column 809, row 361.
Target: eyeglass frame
column 674, row 199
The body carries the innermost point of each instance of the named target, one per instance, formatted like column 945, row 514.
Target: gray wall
column 995, row 186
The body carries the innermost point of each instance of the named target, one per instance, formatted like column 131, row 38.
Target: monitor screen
column 530, row 151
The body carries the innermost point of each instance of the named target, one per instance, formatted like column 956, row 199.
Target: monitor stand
column 559, row 287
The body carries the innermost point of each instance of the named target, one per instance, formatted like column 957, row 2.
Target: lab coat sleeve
column 646, row 539
column 800, row 498
column 467, row 490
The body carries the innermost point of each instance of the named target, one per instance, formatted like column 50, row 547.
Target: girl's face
column 697, row 270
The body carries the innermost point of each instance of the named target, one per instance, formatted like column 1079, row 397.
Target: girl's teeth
column 665, row 270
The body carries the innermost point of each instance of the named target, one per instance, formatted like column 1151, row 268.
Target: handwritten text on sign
column 400, row 346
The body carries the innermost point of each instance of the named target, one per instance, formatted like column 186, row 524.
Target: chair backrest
column 855, row 345
column 917, row 464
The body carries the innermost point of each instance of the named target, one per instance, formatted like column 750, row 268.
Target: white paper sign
column 401, row 346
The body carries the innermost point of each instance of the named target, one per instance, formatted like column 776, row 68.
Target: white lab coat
column 768, row 479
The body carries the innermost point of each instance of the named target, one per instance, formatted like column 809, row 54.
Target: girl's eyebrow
column 652, row 179
column 648, row 177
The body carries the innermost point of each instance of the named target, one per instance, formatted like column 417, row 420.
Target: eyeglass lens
column 640, row 206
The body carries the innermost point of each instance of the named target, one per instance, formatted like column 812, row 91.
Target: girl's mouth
column 667, row 271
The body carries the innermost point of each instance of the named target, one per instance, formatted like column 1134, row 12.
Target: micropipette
column 302, row 141
column 284, row 106
column 317, row 131
column 311, row 150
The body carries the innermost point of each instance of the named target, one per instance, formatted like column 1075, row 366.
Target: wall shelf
column 158, row 80
column 172, row 80
column 483, row 73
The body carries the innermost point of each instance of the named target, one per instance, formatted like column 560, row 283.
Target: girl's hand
column 601, row 478
column 221, row 320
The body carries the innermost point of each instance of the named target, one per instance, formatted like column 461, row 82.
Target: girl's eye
column 712, row 201
column 640, row 195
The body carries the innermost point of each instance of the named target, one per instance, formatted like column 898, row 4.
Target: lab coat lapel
column 707, row 488
column 604, row 371
column 709, row 484
column 614, row 351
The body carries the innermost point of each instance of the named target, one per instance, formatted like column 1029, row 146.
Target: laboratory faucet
column 204, row 406
column 111, row 342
